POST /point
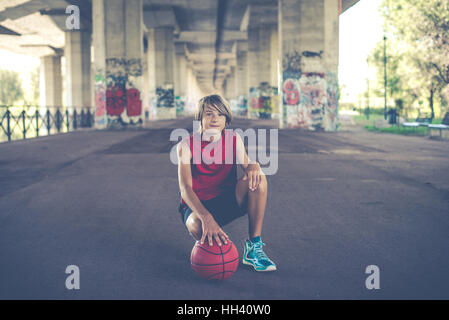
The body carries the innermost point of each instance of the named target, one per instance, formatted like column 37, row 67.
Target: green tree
column 423, row 28
column 33, row 95
column 400, row 88
column 10, row 87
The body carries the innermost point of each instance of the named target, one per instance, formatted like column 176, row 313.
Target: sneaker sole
column 270, row 268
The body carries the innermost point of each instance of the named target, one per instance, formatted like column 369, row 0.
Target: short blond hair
column 218, row 103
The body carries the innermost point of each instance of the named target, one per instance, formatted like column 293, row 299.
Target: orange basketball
column 214, row 262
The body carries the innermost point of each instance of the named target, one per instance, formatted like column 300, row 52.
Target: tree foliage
column 10, row 87
column 417, row 52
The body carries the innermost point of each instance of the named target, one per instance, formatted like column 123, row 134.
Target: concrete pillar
column 78, row 72
column 180, row 78
column 309, row 51
column 241, row 77
column 99, row 44
column 50, row 81
column 259, row 71
column 274, row 72
column 146, row 81
column 190, row 103
column 117, row 32
column 230, row 84
column 161, row 71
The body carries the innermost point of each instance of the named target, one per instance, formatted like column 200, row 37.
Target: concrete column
column 230, row 84
column 118, row 38
column 274, row 73
column 189, row 106
column 146, row 82
column 259, row 71
column 180, row 78
column 309, row 51
column 50, row 81
column 78, row 72
column 241, row 77
column 161, row 71
column 99, row 44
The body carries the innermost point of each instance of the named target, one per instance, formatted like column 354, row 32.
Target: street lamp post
column 385, row 77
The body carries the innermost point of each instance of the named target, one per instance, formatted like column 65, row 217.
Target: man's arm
column 185, row 180
column 210, row 228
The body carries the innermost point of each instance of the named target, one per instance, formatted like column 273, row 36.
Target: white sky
column 360, row 30
column 361, row 27
column 17, row 62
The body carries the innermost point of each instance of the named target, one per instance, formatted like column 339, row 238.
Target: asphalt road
column 339, row 202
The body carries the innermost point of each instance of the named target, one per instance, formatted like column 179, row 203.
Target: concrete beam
column 346, row 4
column 209, row 36
column 160, row 17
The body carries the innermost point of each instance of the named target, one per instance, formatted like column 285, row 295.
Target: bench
column 423, row 119
column 443, row 126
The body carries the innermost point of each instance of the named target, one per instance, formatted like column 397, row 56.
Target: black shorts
column 223, row 208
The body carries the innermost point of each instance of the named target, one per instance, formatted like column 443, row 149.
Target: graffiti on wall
column 331, row 112
column 260, row 102
column 309, row 98
column 165, row 96
column 123, row 81
column 242, row 105
column 180, row 105
column 100, row 98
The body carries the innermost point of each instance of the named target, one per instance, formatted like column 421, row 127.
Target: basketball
column 214, row 262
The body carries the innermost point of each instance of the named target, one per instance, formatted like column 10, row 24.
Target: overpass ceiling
column 209, row 29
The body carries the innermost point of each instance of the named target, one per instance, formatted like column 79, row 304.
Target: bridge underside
column 138, row 60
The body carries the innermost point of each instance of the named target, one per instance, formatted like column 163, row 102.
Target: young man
column 211, row 195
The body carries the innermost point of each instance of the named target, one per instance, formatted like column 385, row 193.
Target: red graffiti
column 100, row 101
column 115, row 101
column 256, row 102
column 291, row 93
column 133, row 102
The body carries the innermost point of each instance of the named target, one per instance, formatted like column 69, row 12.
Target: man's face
column 213, row 121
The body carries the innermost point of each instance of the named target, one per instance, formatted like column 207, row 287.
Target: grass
column 419, row 131
column 368, row 124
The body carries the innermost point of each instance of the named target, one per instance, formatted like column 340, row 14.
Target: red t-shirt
column 211, row 180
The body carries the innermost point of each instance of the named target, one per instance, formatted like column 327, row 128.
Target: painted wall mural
column 180, row 102
column 100, row 98
column 123, row 91
column 261, row 102
column 165, row 102
column 242, row 106
column 165, row 96
column 310, row 99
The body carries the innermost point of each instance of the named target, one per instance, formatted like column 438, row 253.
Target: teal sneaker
column 253, row 255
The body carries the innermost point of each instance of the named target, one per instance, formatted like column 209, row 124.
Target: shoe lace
column 258, row 251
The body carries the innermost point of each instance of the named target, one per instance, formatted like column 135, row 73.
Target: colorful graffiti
column 331, row 113
column 165, row 102
column 100, row 98
column 124, row 81
column 242, row 105
column 309, row 98
column 165, row 97
column 180, row 102
column 260, row 104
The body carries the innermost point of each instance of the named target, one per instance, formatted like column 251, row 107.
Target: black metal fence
column 22, row 122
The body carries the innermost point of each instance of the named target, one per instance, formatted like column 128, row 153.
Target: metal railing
column 22, row 122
